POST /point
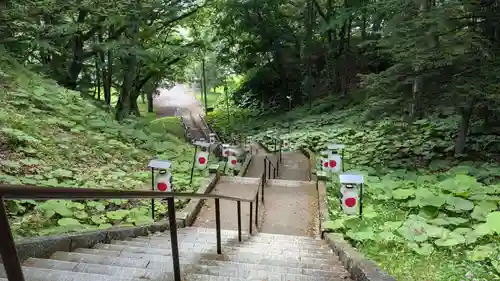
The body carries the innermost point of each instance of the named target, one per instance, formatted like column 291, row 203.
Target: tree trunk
column 98, row 78
column 463, row 130
column 418, row 80
column 125, row 101
column 150, row 101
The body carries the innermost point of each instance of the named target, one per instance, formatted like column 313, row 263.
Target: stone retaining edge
column 44, row 247
column 312, row 162
column 245, row 165
column 360, row 268
column 264, row 146
column 324, row 216
column 189, row 213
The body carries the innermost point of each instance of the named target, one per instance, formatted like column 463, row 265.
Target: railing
column 8, row 249
column 210, row 129
column 268, row 164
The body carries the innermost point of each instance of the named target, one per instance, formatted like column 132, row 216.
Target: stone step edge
column 47, row 272
column 205, row 257
column 255, row 238
column 232, row 248
column 195, row 229
column 202, row 261
column 189, row 268
column 127, row 248
column 320, row 246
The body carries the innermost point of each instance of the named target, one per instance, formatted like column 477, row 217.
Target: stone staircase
column 259, row 257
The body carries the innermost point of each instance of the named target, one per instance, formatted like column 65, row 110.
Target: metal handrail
column 11, row 192
column 8, row 251
column 210, row 129
column 275, row 168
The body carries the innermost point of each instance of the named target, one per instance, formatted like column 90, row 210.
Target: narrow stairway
column 260, row 257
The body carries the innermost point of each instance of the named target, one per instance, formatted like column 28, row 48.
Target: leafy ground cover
column 50, row 136
column 427, row 216
column 212, row 98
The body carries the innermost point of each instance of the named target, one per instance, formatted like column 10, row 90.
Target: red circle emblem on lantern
column 333, row 163
column 233, row 162
column 226, row 152
column 350, row 202
column 162, row 186
column 202, row 160
column 325, row 164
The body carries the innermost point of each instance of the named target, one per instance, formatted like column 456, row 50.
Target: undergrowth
column 53, row 137
column 427, row 215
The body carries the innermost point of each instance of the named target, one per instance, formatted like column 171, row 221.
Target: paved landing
column 230, row 186
column 291, row 201
column 291, row 209
column 294, row 166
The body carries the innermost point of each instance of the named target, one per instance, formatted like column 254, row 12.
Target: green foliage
column 420, row 203
column 53, row 137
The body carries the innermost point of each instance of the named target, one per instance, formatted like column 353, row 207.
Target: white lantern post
column 335, row 158
column 351, row 194
column 204, row 149
column 163, row 182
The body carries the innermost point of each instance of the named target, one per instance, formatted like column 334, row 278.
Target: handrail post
column 257, row 211
column 269, row 170
column 251, row 219
column 238, row 207
column 278, row 164
column 173, row 238
column 8, row 250
column 263, row 181
column 217, row 225
column 265, row 166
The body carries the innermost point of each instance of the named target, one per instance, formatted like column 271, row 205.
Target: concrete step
column 243, row 248
column 167, row 252
column 165, row 240
column 189, row 257
column 166, row 265
column 241, row 272
column 160, row 275
column 115, row 271
column 43, row 274
column 261, row 235
column 255, row 238
column 269, row 268
column 161, row 263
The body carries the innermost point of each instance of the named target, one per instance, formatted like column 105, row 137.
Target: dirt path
column 180, row 100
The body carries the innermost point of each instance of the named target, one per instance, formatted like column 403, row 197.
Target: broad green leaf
column 458, row 204
column 68, row 222
column 98, row 219
column 436, row 231
column 482, row 209
column 81, row 215
column 387, row 236
column 333, row 225
column 451, row 239
column 493, row 221
column 361, row 235
column 424, row 249
column 481, row 252
column 402, row 194
column 413, row 230
column 391, row 225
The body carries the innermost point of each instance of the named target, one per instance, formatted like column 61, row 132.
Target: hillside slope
column 50, row 136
